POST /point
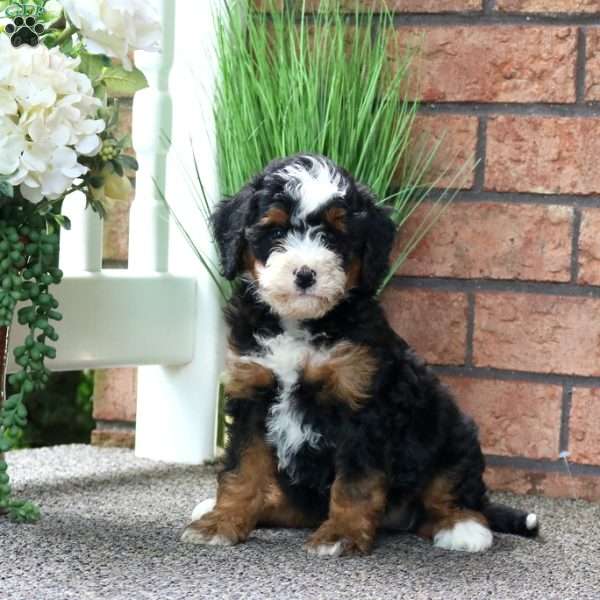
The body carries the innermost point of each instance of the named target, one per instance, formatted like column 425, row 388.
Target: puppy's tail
column 504, row 519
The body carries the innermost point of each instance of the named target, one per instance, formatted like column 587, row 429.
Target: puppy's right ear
column 229, row 221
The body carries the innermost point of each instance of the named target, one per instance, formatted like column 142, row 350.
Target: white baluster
column 151, row 130
column 177, row 405
column 81, row 246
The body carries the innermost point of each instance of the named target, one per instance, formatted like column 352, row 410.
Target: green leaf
column 129, row 162
column 118, row 167
column 96, row 181
column 124, row 142
column 63, row 221
column 120, row 82
column 101, row 92
column 67, row 47
column 6, row 189
column 93, row 64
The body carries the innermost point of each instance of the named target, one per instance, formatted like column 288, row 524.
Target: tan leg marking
column 441, row 507
column 240, row 500
column 278, row 512
column 355, row 512
column 243, row 378
column 450, row 526
column 247, row 498
column 346, row 376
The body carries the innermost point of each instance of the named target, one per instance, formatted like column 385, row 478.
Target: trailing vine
column 29, row 244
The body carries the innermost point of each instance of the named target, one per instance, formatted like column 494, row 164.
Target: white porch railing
column 162, row 313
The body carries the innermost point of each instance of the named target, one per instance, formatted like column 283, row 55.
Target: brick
column 589, row 247
column 433, row 322
column 490, row 64
column 540, row 483
column 402, row 6
column 592, row 72
column 115, row 394
column 543, row 155
column 113, row 438
column 492, row 240
column 534, row 332
column 584, row 426
column 454, row 161
column 116, row 230
column 515, row 418
column 548, row 6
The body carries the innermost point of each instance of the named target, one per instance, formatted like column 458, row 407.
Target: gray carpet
column 111, row 525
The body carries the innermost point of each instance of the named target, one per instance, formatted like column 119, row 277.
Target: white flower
column 47, row 120
column 115, row 27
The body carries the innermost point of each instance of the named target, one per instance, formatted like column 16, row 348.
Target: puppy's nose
column 305, row 277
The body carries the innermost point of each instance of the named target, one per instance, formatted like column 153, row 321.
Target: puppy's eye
column 277, row 232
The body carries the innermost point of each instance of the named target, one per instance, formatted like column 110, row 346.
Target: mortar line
column 580, row 66
column 564, row 417
column 114, row 263
column 486, row 373
column 489, row 7
column 465, row 285
column 571, row 200
column 478, row 18
column 116, row 425
column 470, row 329
column 575, row 233
column 480, row 154
column 524, row 109
column 495, row 18
column 541, row 464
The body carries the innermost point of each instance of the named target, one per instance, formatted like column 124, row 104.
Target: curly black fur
column 410, row 429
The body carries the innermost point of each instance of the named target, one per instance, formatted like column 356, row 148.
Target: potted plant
column 64, row 66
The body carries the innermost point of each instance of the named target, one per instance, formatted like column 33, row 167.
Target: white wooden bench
column 162, row 313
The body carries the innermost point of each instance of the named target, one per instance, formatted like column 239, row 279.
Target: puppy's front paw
column 203, row 507
column 334, row 540
column 326, row 549
column 196, row 536
column 211, row 530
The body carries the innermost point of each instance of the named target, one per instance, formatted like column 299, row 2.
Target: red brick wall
column 503, row 296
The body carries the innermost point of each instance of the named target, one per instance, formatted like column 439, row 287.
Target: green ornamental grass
column 294, row 81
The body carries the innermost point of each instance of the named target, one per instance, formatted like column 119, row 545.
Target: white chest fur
column 286, row 354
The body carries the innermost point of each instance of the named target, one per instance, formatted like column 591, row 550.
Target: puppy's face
column 305, row 234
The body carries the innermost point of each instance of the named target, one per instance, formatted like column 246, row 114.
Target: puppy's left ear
column 229, row 221
column 379, row 231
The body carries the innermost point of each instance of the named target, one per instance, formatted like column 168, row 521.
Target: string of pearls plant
column 64, row 66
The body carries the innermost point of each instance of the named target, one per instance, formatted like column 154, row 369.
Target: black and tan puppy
column 336, row 423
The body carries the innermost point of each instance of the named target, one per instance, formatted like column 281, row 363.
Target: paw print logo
column 24, row 30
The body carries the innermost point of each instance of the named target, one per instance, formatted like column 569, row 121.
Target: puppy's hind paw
column 466, row 536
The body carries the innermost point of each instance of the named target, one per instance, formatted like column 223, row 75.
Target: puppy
column 335, row 423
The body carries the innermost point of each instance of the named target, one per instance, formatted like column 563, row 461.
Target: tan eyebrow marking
column 275, row 216
column 336, row 217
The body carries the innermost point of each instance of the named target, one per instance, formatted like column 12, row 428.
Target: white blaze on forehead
column 313, row 186
column 309, row 248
